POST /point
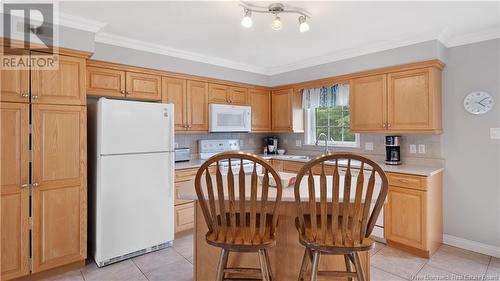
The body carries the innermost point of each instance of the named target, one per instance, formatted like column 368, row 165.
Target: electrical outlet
column 413, row 148
column 495, row 133
column 176, row 145
column 298, row 143
column 242, row 143
column 421, row 148
column 369, row 146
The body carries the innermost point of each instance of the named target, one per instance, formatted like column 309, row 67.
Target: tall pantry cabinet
column 43, row 183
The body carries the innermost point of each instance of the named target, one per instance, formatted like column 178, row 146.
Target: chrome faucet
column 326, row 141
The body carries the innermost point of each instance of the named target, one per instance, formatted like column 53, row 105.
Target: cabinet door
column 282, row 110
column 143, row 86
column 105, row 82
column 15, row 84
column 174, row 92
column 238, row 96
column 260, row 101
column 405, row 216
column 14, row 190
column 59, row 202
column 410, row 100
column 218, row 94
column 184, row 217
column 368, row 103
column 66, row 85
column 197, row 105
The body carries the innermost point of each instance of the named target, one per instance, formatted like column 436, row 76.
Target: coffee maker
column 271, row 143
column 392, row 150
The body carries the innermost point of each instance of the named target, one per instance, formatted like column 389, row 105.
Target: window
column 333, row 120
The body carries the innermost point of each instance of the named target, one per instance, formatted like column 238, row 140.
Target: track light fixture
column 274, row 9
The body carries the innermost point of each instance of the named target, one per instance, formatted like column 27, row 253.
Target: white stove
column 209, row 148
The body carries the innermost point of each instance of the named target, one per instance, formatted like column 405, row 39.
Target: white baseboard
column 470, row 245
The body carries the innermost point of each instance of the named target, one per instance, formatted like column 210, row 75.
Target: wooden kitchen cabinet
column 287, row 112
column 15, row 84
column 224, row 94
column 59, row 200
column 108, row 80
column 414, row 100
column 143, row 86
column 66, row 85
column 105, row 82
column 407, row 101
column 260, row 102
column 184, row 209
column 197, row 105
column 174, row 92
column 368, row 103
column 413, row 218
column 14, row 190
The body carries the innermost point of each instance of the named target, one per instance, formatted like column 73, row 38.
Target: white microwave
column 230, row 118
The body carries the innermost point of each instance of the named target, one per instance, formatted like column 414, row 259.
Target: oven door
column 230, row 118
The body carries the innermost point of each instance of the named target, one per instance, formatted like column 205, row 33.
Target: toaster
column 182, row 154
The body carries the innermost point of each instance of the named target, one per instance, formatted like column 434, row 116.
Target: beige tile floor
column 175, row 264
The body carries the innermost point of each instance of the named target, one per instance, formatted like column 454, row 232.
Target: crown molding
column 125, row 42
column 80, row 23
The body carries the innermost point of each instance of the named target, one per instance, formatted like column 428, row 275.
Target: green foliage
column 334, row 122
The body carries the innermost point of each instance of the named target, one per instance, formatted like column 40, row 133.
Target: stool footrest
column 337, row 273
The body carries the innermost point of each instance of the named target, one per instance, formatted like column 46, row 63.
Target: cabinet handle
column 190, row 126
column 388, row 125
column 123, row 92
column 403, row 180
column 383, row 125
column 25, row 95
column 35, row 184
column 34, row 97
column 24, row 185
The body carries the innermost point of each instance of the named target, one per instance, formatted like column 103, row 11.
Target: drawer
column 184, row 217
column 408, row 181
column 178, row 186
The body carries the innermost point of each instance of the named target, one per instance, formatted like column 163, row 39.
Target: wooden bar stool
column 343, row 219
column 246, row 220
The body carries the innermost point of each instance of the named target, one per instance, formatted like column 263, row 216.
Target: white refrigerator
column 131, row 183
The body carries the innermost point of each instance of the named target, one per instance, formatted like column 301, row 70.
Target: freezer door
column 134, row 203
column 132, row 127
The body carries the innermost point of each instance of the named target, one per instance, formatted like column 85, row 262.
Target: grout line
column 139, row 269
column 397, row 275
column 489, row 263
column 83, row 276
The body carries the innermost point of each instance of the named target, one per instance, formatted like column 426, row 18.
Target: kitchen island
column 285, row 257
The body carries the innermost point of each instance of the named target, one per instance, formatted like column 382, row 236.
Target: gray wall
column 122, row 55
column 408, row 54
column 472, row 175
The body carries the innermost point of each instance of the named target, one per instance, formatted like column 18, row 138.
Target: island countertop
column 419, row 168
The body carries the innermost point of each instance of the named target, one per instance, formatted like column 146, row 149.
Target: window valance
column 336, row 95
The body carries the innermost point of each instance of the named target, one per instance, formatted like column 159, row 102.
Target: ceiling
column 210, row 31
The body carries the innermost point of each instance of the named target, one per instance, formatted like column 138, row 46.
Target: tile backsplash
column 432, row 145
column 253, row 142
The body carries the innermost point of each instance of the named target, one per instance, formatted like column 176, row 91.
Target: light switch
column 495, row 133
column 369, row 146
column 413, row 148
column 298, row 143
column 421, row 148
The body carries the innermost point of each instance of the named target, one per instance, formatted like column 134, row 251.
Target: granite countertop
column 420, row 168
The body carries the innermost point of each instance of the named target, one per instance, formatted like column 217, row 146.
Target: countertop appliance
column 271, row 143
column 131, row 178
column 392, row 150
column 230, row 118
column 209, row 148
column 182, row 154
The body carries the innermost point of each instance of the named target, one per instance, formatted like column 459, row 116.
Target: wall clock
column 478, row 102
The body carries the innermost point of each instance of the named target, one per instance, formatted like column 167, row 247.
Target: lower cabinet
column 413, row 218
column 184, row 209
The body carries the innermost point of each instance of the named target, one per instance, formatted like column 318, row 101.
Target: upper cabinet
column 260, row 101
column 15, row 85
column 287, row 112
column 407, row 101
column 174, row 92
column 197, row 105
column 224, row 94
column 122, row 83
